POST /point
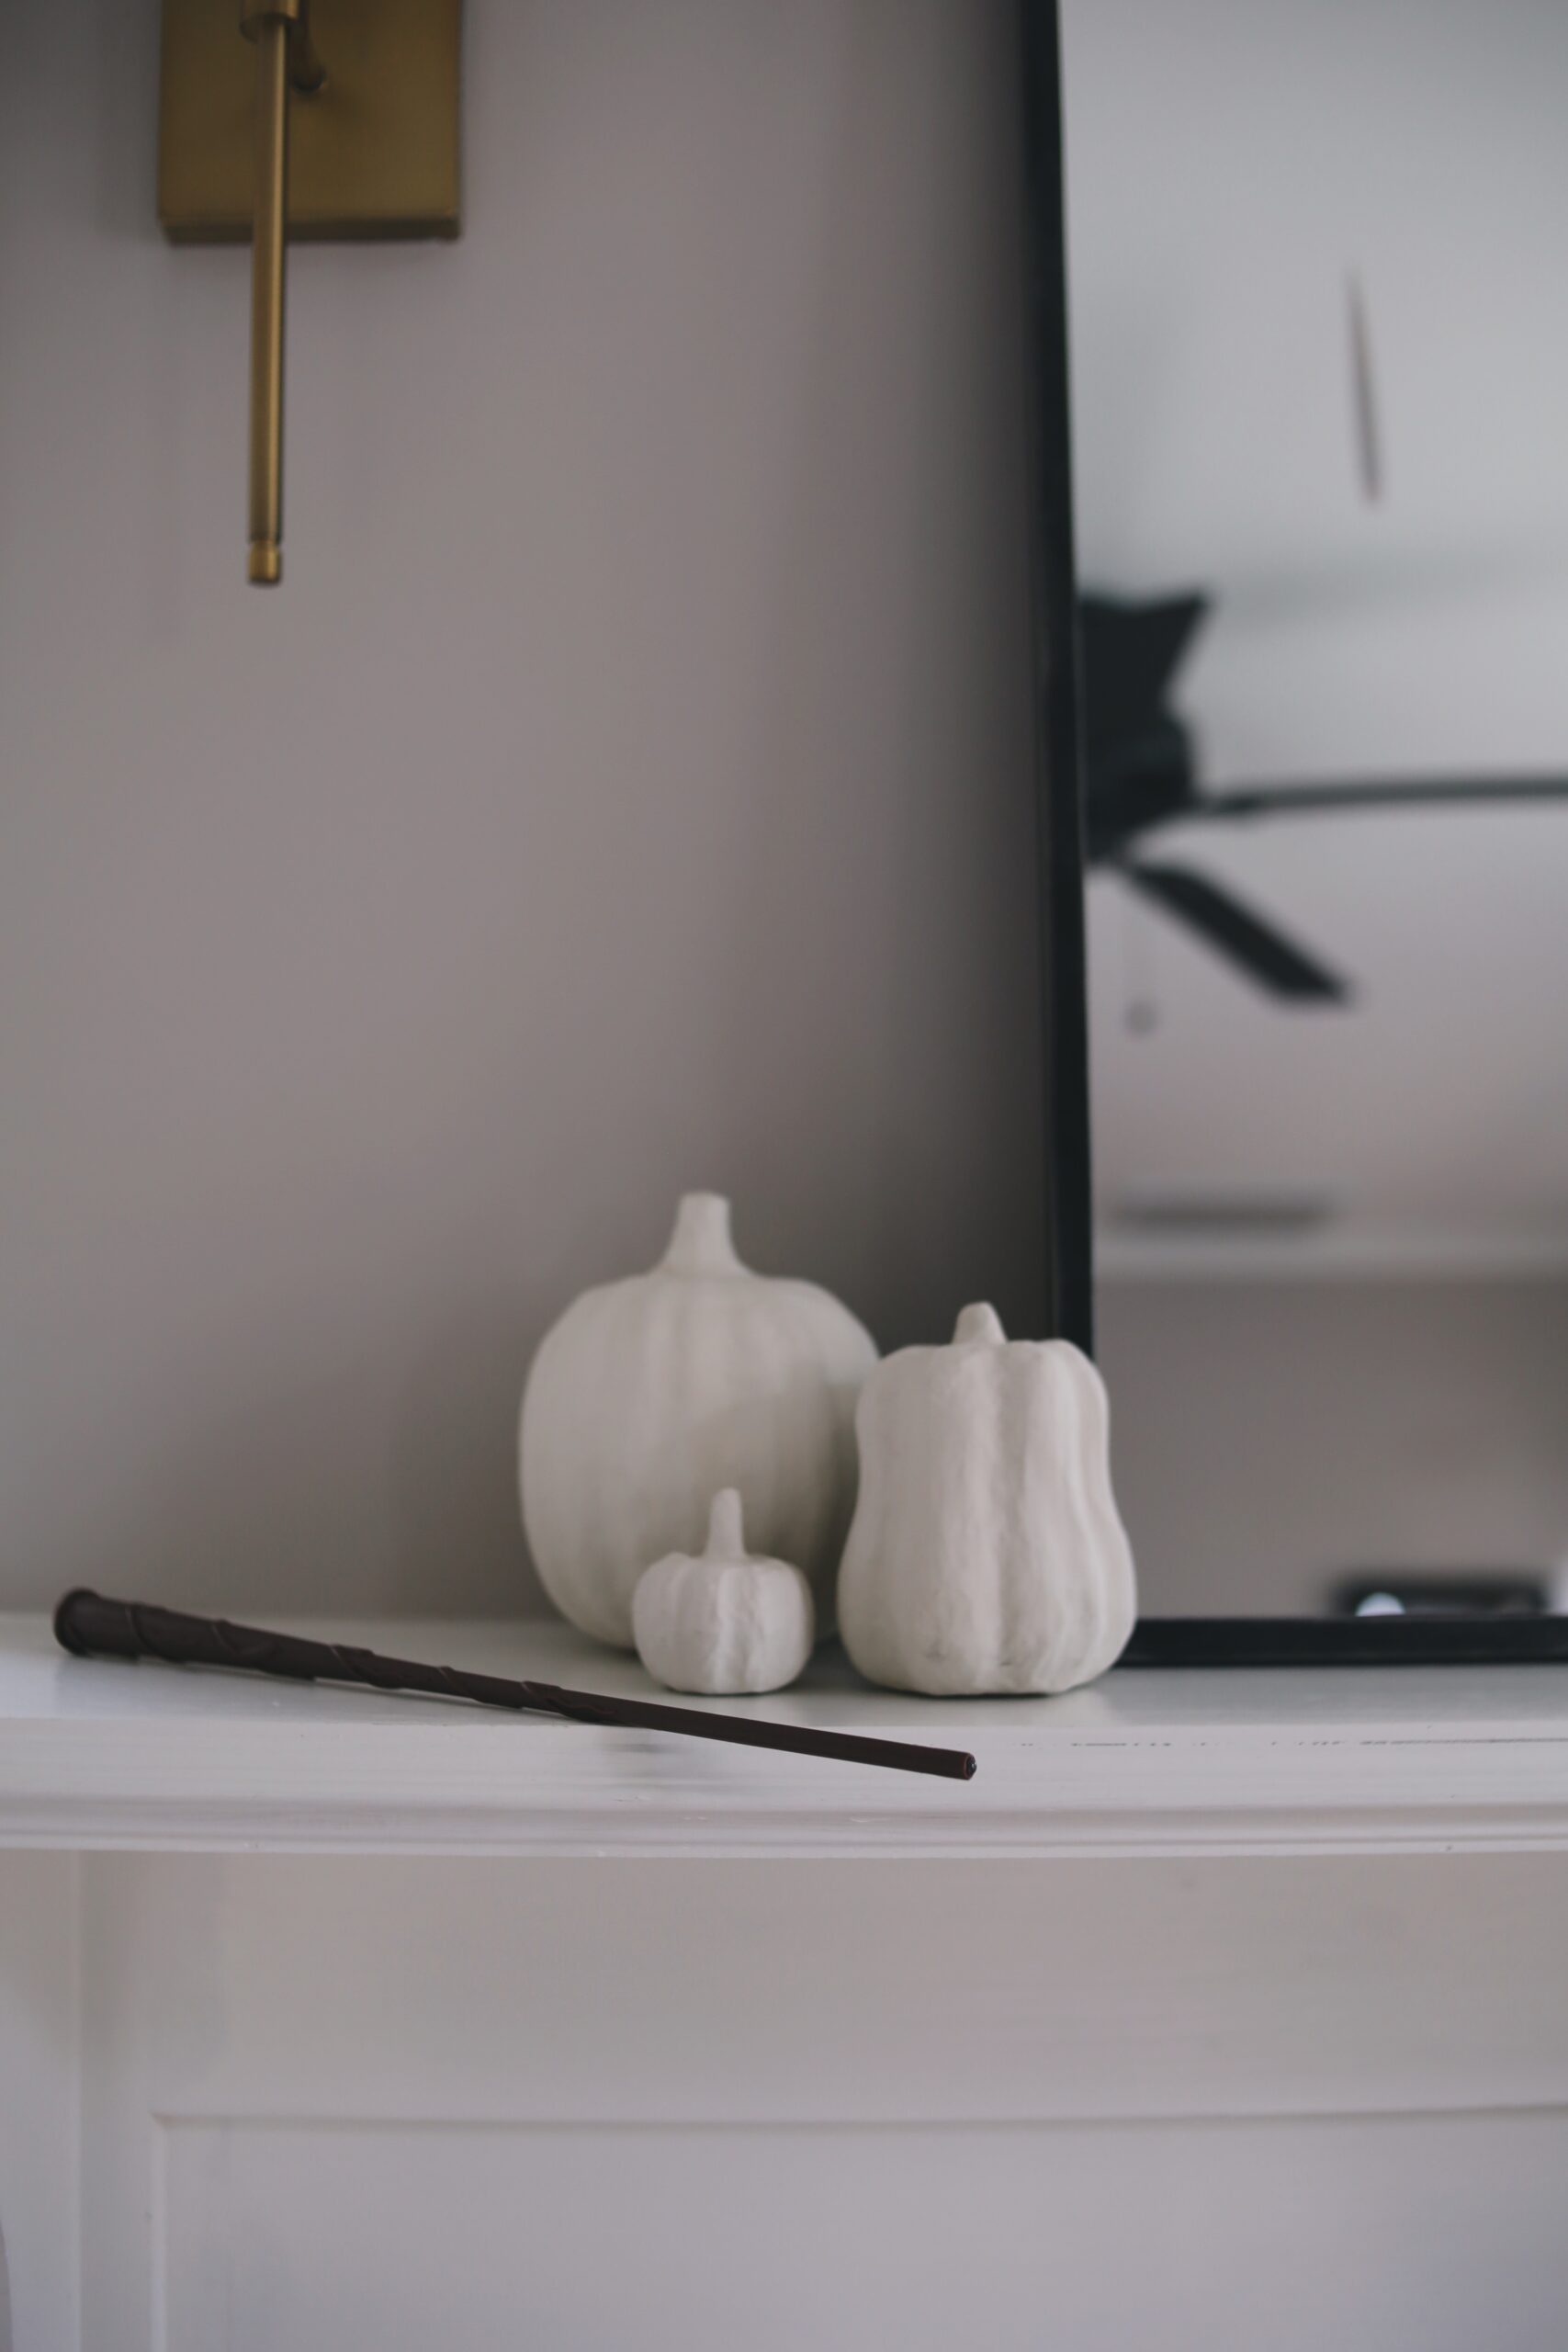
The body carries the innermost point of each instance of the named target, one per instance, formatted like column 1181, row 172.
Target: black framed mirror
column 1301, row 595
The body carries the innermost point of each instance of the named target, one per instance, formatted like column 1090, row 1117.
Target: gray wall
column 628, row 789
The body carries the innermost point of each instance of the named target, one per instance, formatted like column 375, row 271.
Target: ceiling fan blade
column 1254, row 944
column 1347, row 797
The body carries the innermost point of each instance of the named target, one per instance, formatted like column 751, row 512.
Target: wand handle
column 88, row 1625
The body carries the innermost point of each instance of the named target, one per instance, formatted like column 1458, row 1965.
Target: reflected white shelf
column 1347, row 1251
column 97, row 1754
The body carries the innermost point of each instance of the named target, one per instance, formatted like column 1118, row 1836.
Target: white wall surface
column 628, row 788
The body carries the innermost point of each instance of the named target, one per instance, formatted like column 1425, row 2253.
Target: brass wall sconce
column 303, row 118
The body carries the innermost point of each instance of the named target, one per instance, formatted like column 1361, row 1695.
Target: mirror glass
column 1318, row 324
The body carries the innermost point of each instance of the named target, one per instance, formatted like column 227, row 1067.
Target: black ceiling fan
column 1140, row 777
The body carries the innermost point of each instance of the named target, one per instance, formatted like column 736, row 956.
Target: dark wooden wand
column 90, row 1626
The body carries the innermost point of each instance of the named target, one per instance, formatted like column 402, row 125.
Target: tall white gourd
column 651, row 1394
column 987, row 1553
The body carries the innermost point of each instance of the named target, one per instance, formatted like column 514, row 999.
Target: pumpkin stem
column 726, row 1533
column 701, row 1243
column 980, row 1323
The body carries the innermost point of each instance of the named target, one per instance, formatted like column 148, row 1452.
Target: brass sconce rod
column 284, row 57
column 372, row 152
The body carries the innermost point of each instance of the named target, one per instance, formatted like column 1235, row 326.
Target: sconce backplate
column 374, row 153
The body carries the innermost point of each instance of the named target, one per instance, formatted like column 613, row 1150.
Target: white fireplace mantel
column 332, row 2017
column 99, row 1754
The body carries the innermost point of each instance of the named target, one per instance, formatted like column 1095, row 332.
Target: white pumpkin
column 987, row 1553
column 723, row 1619
column 651, row 1394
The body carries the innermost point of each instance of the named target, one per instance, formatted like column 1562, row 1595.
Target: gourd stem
column 701, row 1243
column 726, row 1533
column 979, row 1322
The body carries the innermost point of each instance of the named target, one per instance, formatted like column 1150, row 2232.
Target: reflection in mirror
column 1319, row 336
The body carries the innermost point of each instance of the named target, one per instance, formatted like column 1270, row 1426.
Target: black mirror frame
column 1058, row 728
column 1069, row 1215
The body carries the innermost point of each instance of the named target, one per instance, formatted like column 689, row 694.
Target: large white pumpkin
column 651, row 1394
column 987, row 1553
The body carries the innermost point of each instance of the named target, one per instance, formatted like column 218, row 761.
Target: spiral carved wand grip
column 92, row 1626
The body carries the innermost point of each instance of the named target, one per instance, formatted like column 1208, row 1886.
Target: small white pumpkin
column 723, row 1619
column 987, row 1553
column 651, row 1394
